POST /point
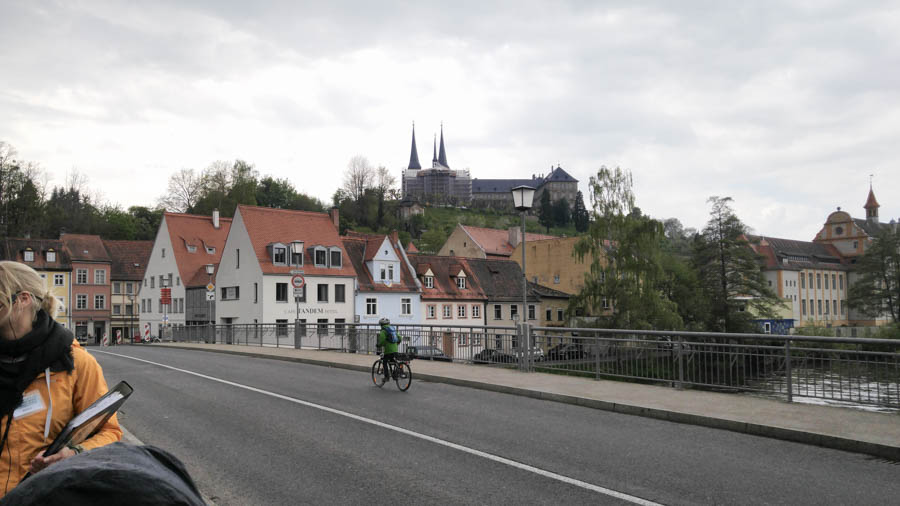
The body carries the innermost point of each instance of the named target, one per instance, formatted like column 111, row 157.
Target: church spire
column 434, row 150
column 414, row 153
column 871, row 206
column 442, row 158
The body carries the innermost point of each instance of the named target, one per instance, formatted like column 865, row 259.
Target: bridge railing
column 855, row 370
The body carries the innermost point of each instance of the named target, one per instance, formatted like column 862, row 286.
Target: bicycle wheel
column 378, row 373
column 403, row 376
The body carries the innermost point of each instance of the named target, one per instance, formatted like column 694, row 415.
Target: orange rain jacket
column 72, row 393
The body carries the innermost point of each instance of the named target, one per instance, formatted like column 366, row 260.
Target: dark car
column 428, row 353
column 489, row 355
column 567, row 351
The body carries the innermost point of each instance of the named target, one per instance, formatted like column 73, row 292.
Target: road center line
column 448, row 444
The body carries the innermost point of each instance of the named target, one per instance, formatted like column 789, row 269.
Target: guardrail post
column 680, row 355
column 787, row 371
column 297, row 343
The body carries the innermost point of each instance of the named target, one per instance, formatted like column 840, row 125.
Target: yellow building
column 50, row 260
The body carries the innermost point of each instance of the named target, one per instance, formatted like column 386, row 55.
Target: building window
column 129, row 288
column 818, row 281
column 169, row 284
column 323, row 293
column 81, row 276
column 461, row 311
column 803, row 307
column 819, row 306
column 802, row 281
column 556, row 279
column 812, row 308
column 336, row 258
column 855, row 244
column 339, row 326
column 129, row 310
column 320, row 258
column 429, row 281
column 559, row 314
column 256, row 293
column 51, row 256
column 476, row 311
column 461, row 283
column 463, row 340
column 431, row 312
column 117, row 288
column 843, row 307
column 549, row 316
column 371, row 306
column 279, row 255
column 231, row 293
column 513, row 311
column 59, row 280
column 833, row 282
column 406, row 306
column 531, row 311
column 281, row 292
column 323, row 325
column 834, row 306
column 237, row 258
column 605, row 303
column 164, row 252
column 498, row 312
column 29, row 256
column 383, row 273
column 810, row 281
column 81, row 301
column 281, row 326
column 841, row 280
column 340, row 293
column 767, row 328
column 99, row 301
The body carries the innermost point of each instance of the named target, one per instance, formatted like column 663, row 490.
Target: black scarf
column 48, row 344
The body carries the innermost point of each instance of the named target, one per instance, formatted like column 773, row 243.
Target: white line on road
column 471, row 451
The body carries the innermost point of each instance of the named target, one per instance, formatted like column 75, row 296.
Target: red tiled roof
column 357, row 247
column 496, row 242
column 129, row 258
column 14, row 248
column 266, row 226
column 198, row 232
column 445, row 270
column 411, row 248
column 870, row 201
column 85, row 248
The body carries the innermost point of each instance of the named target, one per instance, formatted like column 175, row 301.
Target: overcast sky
column 787, row 107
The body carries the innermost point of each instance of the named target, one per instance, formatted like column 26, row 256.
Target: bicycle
column 399, row 371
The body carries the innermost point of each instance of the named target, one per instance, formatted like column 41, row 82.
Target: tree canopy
column 876, row 290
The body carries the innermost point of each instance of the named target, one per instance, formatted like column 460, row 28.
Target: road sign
column 165, row 318
column 210, row 287
column 296, row 271
column 297, row 281
column 298, row 293
column 210, row 296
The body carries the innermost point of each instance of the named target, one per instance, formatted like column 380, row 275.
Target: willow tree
column 623, row 286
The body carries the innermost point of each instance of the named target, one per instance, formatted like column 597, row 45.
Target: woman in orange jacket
column 46, row 378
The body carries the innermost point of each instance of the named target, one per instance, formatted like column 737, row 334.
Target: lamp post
column 210, row 268
column 523, row 196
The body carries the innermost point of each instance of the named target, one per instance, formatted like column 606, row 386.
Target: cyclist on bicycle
column 388, row 342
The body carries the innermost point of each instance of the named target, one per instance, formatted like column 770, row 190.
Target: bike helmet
column 384, row 321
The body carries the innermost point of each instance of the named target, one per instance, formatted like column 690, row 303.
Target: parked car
column 82, row 340
column 536, row 353
column 428, row 353
column 489, row 355
column 567, row 351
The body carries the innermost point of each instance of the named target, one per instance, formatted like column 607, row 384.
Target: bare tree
column 384, row 180
column 184, row 191
column 358, row 177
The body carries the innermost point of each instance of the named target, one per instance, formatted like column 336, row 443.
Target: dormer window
column 191, row 248
column 29, row 255
column 297, row 253
column 51, row 256
column 335, row 258
column 461, row 283
column 429, row 281
column 211, row 250
column 279, row 255
column 321, row 256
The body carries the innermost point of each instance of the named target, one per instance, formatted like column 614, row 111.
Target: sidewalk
column 846, row 429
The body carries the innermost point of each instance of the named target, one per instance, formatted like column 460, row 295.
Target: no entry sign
column 297, row 281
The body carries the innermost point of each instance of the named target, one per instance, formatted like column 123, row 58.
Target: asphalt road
column 306, row 434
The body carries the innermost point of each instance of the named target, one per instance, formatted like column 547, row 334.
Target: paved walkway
column 833, row 427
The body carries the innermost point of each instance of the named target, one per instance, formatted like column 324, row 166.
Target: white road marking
column 471, row 451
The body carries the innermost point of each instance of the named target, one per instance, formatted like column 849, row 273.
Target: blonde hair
column 16, row 278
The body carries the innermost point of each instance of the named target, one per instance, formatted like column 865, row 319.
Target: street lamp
column 210, row 268
column 523, row 197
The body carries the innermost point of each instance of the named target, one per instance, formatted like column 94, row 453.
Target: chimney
column 215, row 218
column 395, row 238
column 335, row 217
column 515, row 236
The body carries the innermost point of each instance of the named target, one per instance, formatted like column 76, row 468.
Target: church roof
column 871, row 202
column 559, row 175
column 442, row 156
column 413, row 153
column 501, row 185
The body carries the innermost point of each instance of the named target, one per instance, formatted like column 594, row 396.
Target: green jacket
column 387, row 346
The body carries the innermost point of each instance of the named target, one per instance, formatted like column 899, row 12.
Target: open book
column 89, row 421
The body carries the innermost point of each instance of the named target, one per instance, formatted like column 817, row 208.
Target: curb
column 794, row 435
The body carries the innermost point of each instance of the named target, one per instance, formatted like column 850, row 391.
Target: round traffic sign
column 297, row 281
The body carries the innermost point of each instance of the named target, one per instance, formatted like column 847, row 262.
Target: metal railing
column 854, row 370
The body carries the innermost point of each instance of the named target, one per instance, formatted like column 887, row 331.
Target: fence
column 863, row 371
